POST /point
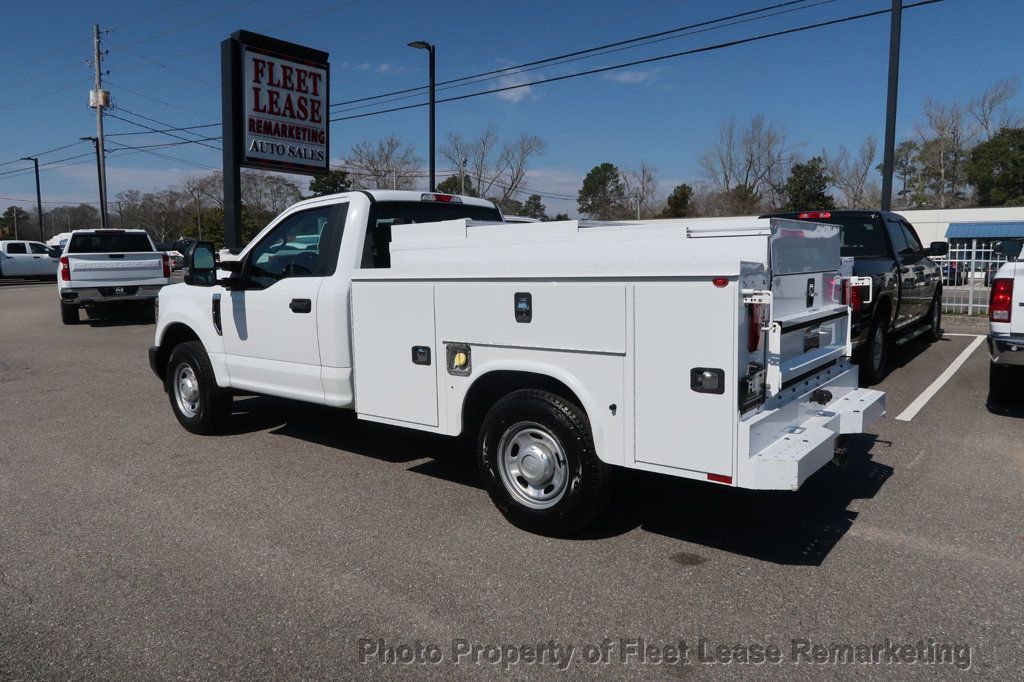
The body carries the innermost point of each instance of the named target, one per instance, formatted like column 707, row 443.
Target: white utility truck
column 712, row 351
column 1006, row 325
column 105, row 269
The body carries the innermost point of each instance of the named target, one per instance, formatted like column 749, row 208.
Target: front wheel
column 69, row 313
column 200, row 405
column 537, row 460
column 935, row 319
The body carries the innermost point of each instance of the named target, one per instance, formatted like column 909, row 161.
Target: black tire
column 934, row 319
column 69, row 313
column 211, row 406
column 874, row 362
column 540, row 418
column 1001, row 380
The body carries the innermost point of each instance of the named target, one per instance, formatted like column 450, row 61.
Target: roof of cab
column 109, row 230
column 399, row 195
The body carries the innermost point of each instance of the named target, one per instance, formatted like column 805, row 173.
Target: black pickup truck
column 905, row 299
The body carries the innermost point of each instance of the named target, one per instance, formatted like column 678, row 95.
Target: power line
column 194, row 23
column 161, row 64
column 547, row 60
column 166, row 104
column 480, row 78
column 166, row 156
column 155, row 130
column 48, row 151
column 47, row 93
column 708, row 48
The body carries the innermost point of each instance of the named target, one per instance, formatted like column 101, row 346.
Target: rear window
column 109, row 242
column 862, row 237
column 404, row 212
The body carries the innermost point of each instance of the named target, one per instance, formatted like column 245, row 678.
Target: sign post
column 274, row 99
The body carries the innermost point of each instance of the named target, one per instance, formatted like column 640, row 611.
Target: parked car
column 20, row 258
column 952, row 273
column 1006, row 326
column 904, row 300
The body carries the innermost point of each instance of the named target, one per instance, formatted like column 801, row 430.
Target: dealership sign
column 274, row 101
column 285, row 110
column 280, row 95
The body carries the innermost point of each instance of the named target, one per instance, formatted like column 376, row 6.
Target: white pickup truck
column 102, row 269
column 711, row 351
column 1006, row 326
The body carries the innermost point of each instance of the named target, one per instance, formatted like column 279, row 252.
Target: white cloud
column 518, row 94
column 384, row 69
column 630, row 77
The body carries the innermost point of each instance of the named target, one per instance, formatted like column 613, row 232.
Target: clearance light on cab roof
column 720, row 282
column 443, row 198
column 814, row 215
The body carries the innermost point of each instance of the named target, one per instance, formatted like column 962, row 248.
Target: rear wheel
column 1001, row 380
column 68, row 313
column 875, row 361
column 199, row 404
column 536, row 457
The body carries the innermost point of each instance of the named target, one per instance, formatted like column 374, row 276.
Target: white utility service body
column 711, row 350
column 622, row 315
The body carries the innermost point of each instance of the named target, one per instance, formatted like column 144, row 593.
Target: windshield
column 110, row 242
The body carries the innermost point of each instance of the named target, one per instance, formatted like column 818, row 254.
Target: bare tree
column 513, row 161
column 989, row 109
column 749, row 161
column 493, row 171
column 851, row 175
column 388, row 163
column 641, row 187
column 946, row 139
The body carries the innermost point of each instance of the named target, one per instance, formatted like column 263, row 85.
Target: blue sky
column 826, row 86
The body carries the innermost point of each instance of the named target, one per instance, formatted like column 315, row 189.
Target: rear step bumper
column 786, row 442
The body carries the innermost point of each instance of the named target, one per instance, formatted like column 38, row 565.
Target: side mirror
column 200, row 266
column 938, row 249
column 1011, row 248
column 55, row 252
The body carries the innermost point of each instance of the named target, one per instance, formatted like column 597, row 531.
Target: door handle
column 301, row 305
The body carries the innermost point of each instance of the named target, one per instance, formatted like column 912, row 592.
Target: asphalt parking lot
column 305, row 543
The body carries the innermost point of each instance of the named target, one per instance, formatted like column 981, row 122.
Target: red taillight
column 1000, row 300
column 814, row 215
column 720, row 282
column 852, row 297
column 754, row 332
column 719, row 478
column 167, row 265
column 65, row 269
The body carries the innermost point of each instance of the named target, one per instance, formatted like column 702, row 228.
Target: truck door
column 270, row 324
column 17, row 261
column 911, row 273
column 42, row 264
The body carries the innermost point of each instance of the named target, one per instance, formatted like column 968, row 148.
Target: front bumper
column 109, row 295
column 783, row 444
column 1006, row 349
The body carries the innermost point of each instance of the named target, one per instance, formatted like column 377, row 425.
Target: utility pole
column 100, row 99
column 39, row 196
column 888, row 152
column 16, row 221
column 462, row 174
column 199, row 216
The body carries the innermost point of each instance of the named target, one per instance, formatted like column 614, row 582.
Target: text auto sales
column 291, row 92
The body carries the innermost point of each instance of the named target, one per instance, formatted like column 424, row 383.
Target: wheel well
column 884, row 307
column 491, row 387
column 174, row 334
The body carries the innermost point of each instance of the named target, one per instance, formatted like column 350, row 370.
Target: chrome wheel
column 877, row 348
column 186, row 390
column 532, row 465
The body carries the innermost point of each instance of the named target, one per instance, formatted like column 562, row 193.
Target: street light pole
column 889, row 152
column 423, row 45
column 39, row 195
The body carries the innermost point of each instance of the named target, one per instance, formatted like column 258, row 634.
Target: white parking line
column 922, row 400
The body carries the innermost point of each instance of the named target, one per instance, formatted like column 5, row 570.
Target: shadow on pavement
column 782, row 527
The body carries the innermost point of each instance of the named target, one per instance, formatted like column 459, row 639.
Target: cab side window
column 38, row 248
column 911, row 237
column 899, row 242
column 304, row 244
column 16, row 248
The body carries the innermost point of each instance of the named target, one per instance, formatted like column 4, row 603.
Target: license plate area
column 118, row 291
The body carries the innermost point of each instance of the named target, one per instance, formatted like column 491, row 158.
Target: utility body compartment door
column 394, row 359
